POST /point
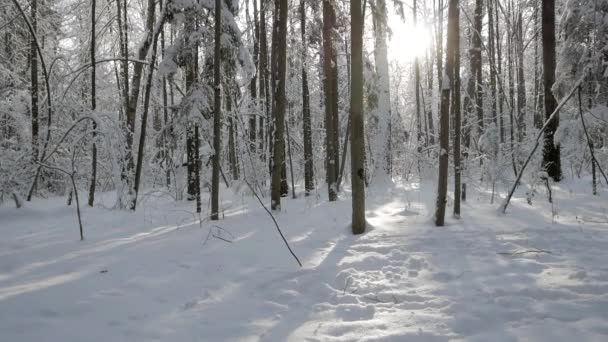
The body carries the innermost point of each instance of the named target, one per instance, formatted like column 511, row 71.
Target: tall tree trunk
column 417, row 90
column 492, row 60
column 521, row 84
column 127, row 164
column 382, row 158
column 477, row 69
column 191, row 71
column 444, row 121
column 280, row 103
column 136, row 79
column 501, row 95
column 439, row 43
column 456, row 115
column 234, row 166
column 330, row 86
column 551, row 152
column 510, row 74
column 538, row 102
column 357, row 151
column 144, row 118
column 307, row 126
column 34, row 80
column 93, row 180
column 217, row 117
column 263, row 78
column 430, row 121
column 254, row 80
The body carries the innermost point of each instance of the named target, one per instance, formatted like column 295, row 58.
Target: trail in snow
column 150, row 276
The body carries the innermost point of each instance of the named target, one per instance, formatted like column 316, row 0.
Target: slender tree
column 93, row 179
column 34, row 79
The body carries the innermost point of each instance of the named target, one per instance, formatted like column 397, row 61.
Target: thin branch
column 275, row 222
column 537, row 142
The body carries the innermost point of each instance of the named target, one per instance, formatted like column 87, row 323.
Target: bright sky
column 407, row 41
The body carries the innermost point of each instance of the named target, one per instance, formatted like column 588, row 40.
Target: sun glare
column 408, row 41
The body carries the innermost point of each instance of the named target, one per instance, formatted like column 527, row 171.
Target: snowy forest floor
column 159, row 275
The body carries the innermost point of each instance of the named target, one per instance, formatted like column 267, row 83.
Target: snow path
column 150, row 276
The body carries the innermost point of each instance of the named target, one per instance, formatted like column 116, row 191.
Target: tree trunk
column 456, row 115
column 551, row 152
column 357, row 151
column 417, row 91
column 254, row 80
column 217, row 117
column 382, row 158
column 477, row 69
column 34, row 80
column 232, row 147
column 444, row 122
column 521, row 84
column 307, row 126
column 144, row 118
column 280, row 103
column 330, row 86
column 93, row 181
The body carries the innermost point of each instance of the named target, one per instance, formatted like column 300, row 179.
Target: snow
column 158, row 274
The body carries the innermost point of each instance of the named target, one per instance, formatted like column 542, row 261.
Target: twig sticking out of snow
column 275, row 222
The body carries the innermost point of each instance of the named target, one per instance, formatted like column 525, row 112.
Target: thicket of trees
column 192, row 96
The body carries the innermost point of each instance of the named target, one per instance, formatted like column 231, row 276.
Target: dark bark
column 217, row 117
column 280, row 104
column 357, row 120
column 306, row 120
column 456, row 116
column 93, row 180
column 34, row 80
column 551, row 152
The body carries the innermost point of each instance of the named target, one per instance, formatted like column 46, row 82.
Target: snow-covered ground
column 160, row 275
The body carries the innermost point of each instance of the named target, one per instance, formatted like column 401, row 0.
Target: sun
column 408, row 41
